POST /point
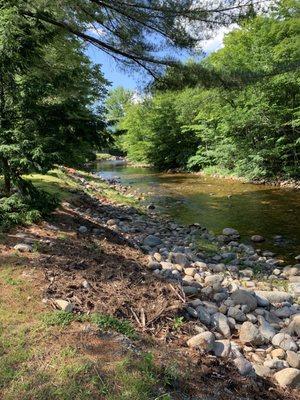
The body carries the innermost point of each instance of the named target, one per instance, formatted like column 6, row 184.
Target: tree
column 117, row 101
column 136, row 31
column 47, row 92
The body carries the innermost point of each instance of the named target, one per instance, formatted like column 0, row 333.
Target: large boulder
column 288, row 377
column 243, row 297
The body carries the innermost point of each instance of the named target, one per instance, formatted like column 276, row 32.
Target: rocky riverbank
column 245, row 302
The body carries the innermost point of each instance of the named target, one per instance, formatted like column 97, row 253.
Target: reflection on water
column 218, row 203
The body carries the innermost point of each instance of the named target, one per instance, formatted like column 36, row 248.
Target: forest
column 235, row 113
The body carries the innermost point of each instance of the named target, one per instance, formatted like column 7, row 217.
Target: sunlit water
column 218, row 203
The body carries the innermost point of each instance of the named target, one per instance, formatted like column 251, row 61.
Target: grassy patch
column 109, row 322
column 58, row 318
column 206, row 246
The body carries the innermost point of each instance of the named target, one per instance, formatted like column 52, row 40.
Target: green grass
column 206, row 246
column 58, row 318
column 109, row 322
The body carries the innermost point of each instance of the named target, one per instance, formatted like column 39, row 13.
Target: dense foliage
column 241, row 116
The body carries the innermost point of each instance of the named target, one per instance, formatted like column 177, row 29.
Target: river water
column 218, row 203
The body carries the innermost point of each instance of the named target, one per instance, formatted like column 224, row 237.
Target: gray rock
column 230, row 232
column 83, row 229
column 265, row 329
column 181, row 259
column 243, row 366
column 288, row 377
column 284, row 341
column 293, row 359
column 242, row 297
column 237, row 314
column 189, row 290
column 274, row 296
column 257, row 238
column 203, row 315
column 220, row 322
column 249, row 334
column 192, row 312
column 152, row 241
column 222, row 348
column 205, row 341
column 23, row 248
column 276, row 364
column 283, row 312
column 213, row 280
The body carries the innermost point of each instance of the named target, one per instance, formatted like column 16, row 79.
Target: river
column 218, row 203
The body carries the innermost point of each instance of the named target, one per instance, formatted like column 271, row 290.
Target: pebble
column 288, row 377
column 64, row 305
column 83, row 229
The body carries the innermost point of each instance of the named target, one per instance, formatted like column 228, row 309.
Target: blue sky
column 135, row 81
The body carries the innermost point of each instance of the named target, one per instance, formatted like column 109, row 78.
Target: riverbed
column 216, row 203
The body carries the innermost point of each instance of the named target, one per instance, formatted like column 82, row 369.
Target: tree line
column 235, row 112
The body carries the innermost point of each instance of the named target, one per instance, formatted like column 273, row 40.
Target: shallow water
column 218, row 203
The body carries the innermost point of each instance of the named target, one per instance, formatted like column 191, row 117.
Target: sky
column 134, row 81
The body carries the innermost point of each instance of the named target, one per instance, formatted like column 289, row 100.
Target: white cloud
column 216, row 42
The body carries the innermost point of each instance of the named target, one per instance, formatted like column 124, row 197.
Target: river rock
column 262, row 370
column 242, row 297
column 213, row 280
column 294, row 326
column 190, row 290
column 257, row 238
column 283, row 312
column 203, row 315
column 265, row 329
column 83, row 229
column 249, row 334
column 273, row 296
column 23, row 247
column 230, row 232
column 288, row 377
column 181, row 259
column 293, row 359
column 243, row 366
column 190, row 271
column 204, row 341
column 220, row 322
column 278, row 353
column 152, row 241
column 276, row 364
column 222, row 348
column 284, row 341
column 237, row 314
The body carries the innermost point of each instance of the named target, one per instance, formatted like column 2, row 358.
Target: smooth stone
column 283, row 312
column 288, row 377
column 152, row 241
column 276, row 364
column 262, row 370
column 82, row 229
column 236, row 313
column 222, row 348
column 192, row 312
column 180, row 258
column 220, row 322
column 230, row 232
column 23, row 248
column 257, row 238
column 274, row 296
column 212, row 280
column 294, row 326
column 189, row 290
column 204, row 341
column 210, row 307
column 278, row 353
column 203, row 315
column 242, row 297
column 284, row 341
column 243, row 366
column 265, row 329
column 249, row 334
column 190, row 271
column 293, row 359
